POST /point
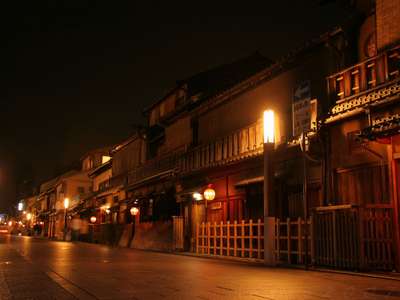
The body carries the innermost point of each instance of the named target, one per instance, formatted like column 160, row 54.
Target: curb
column 256, row 262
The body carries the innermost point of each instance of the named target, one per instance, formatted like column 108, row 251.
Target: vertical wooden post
column 289, row 239
column 215, row 238
column 251, row 238
column 208, row 238
column 361, row 238
column 242, row 241
column 203, row 238
column 258, row 238
column 312, row 237
column 278, row 239
column 235, row 238
column 228, row 238
column 300, row 240
column 197, row 238
column 334, row 236
column 221, row 239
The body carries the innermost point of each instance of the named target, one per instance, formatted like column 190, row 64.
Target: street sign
column 303, row 108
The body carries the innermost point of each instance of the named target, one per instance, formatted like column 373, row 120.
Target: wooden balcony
column 366, row 82
column 244, row 143
column 156, row 167
column 241, row 144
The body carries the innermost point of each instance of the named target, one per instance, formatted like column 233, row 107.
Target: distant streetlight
column 134, row 211
column 28, row 216
column 66, row 205
column 93, row 219
column 20, row 206
column 269, row 225
column 197, row 196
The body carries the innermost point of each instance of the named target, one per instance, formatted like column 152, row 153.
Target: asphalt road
column 39, row 269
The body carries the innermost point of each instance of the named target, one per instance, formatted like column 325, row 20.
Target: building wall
column 107, row 174
column 129, row 157
column 276, row 94
column 177, row 135
column 360, row 170
column 387, row 22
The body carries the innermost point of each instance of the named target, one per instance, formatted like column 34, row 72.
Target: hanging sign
column 301, row 108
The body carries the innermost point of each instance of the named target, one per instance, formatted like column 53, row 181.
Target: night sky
column 76, row 75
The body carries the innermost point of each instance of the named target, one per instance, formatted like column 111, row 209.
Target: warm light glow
column 41, row 223
column 24, row 212
column 105, row 159
column 209, row 194
column 108, row 211
column 269, row 126
column 93, row 219
column 20, row 206
column 197, row 196
column 10, row 223
column 66, row 203
column 134, row 211
column 29, row 216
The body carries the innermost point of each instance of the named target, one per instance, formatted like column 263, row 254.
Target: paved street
column 39, row 269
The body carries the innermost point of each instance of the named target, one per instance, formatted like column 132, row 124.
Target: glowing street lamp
column 28, row 216
column 20, row 206
column 66, row 203
column 269, row 145
column 134, row 211
column 93, row 219
column 269, row 126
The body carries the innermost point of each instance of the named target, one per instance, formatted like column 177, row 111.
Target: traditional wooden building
column 362, row 141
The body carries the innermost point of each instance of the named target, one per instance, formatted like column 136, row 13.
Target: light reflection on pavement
column 88, row 271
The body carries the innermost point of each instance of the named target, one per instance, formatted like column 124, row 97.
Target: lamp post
column 134, row 212
column 66, row 205
column 269, row 220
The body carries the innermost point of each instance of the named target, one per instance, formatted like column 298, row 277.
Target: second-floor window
column 104, row 185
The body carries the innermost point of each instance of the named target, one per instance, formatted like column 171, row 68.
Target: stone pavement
column 20, row 279
column 61, row 270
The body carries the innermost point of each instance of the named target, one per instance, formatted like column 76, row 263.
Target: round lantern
column 93, row 219
column 209, row 194
column 134, row 211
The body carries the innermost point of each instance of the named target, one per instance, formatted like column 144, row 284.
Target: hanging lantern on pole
column 209, row 193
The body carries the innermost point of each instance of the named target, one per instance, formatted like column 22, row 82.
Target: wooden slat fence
column 353, row 238
column 178, row 229
column 244, row 239
column 290, row 241
column 336, row 237
column 342, row 237
column 377, row 238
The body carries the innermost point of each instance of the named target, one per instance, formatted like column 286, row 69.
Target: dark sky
column 77, row 74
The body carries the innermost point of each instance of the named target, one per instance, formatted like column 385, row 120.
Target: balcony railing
column 154, row 167
column 240, row 144
column 244, row 143
column 365, row 76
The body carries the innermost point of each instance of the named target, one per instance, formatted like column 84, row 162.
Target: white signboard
column 301, row 108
